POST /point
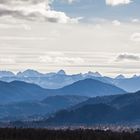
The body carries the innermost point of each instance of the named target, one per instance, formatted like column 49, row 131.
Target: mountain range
column 18, row 91
column 28, row 110
column 104, row 110
column 20, row 100
column 85, row 102
column 60, row 79
column 117, row 109
column 48, row 80
column 89, row 87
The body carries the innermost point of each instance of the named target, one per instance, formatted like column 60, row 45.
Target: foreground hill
column 110, row 109
column 36, row 109
column 17, row 91
column 87, row 114
column 117, row 101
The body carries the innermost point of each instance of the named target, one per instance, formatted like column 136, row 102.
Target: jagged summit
column 96, row 74
column 61, row 72
column 29, row 73
column 135, row 76
column 120, row 77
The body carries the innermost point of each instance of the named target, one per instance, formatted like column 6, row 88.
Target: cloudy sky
column 74, row 35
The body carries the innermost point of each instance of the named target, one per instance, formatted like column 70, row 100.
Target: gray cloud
column 133, row 57
column 33, row 10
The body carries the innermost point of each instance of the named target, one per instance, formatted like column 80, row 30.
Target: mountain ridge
column 27, row 110
column 90, row 87
column 60, row 79
column 113, row 111
column 22, row 91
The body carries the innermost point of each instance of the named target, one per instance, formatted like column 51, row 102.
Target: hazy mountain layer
column 121, row 109
column 17, row 91
column 36, row 109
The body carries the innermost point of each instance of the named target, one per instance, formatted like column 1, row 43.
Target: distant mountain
column 92, row 74
column 61, row 72
column 17, row 91
column 34, row 73
column 50, row 80
column 128, row 84
column 89, row 87
column 29, row 73
column 20, row 91
column 29, row 109
column 6, row 74
column 120, row 77
column 116, row 109
column 60, row 79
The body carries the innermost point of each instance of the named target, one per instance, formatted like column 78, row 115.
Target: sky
column 74, row 35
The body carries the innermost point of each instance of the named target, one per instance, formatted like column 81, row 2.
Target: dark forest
column 67, row 134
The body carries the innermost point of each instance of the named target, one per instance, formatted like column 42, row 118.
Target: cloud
column 23, row 38
column 60, row 58
column 7, row 60
column 117, row 2
column 34, row 10
column 69, row 1
column 14, row 26
column 116, row 22
column 135, row 20
column 135, row 37
column 133, row 57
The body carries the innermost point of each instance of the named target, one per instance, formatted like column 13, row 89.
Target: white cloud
column 117, row 2
column 22, row 38
column 116, row 22
column 54, row 53
column 26, row 27
column 60, row 58
column 135, row 37
column 107, row 39
column 34, row 10
column 14, row 26
column 69, row 1
column 7, row 60
column 135, row 20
